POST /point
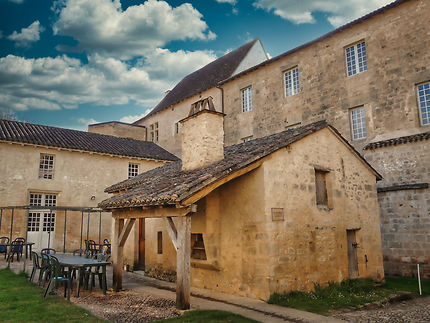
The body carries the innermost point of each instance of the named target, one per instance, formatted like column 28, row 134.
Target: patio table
column 79, row 263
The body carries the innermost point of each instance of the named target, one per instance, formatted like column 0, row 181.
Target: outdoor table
column 24, row 245
column 79, row 263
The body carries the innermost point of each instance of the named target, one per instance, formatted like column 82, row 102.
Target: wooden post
column 183, row 262
column 118, row 255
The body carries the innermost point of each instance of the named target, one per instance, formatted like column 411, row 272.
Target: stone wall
column 405, row 213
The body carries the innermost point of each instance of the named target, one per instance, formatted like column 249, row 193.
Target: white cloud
column 101, row 26
column 64, row 82
column 301, row 11
column 27, row 35
column 131, row 118
column 232, row 2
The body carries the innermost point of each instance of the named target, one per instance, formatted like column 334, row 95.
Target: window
column 424, row 103
column 197, row 246
column 246, row 139
column 47, row 216
column 160, row 242
column 292, row 84
column 46, row 166
column 177, row 128
column 247, row 99
column 153, row 129
column 33, row 221
column 321, row 187
column 133, row 170
column 356, row 60
column 358, row 123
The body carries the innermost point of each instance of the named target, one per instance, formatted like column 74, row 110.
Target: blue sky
column 68, row 63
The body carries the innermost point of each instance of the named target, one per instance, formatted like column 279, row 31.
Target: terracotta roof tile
column 398, row 141
column 15, row 131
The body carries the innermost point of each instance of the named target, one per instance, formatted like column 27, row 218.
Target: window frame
column 426, row 102
column 133, row 172
column 294, row 90
column 49, row 172
column 249, row 101
column 198, row 252
column 352, row 123
column 153, row 131
column 356, row 58
column 48, row 217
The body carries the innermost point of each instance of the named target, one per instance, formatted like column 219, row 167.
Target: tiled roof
column 22, row 132
column 168, row 185
column 398, row 141
column 205, row 78
column 337, row 30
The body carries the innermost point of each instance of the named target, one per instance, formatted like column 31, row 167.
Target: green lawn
column 348, row 294
column 22, row 301
column 209, row 317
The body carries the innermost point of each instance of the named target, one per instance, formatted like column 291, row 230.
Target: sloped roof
column 398, row 141
column 22, row 132
column 333, row 32
column 169, row 185
column 205, row 78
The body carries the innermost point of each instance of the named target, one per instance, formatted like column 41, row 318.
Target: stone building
column 275, row 214
column 54, row 167
column 371, row 80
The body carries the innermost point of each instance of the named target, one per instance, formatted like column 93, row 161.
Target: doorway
column 352, row 253
column 141, row 263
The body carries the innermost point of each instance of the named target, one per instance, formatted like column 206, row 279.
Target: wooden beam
column 152, row 212
column 117, row 255
column 202, row 193
column 171, row 230
column 183, row 262
column 125, row 232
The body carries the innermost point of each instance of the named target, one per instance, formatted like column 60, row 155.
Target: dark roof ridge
column 120, row 122
column 398, row 140
column 176, row 94
column 316, row 40
column 42, row 135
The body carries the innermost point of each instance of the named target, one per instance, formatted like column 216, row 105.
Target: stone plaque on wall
column 277, row 214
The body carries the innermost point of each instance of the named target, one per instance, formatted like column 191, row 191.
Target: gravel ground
column 416, row 311
column 127, row 306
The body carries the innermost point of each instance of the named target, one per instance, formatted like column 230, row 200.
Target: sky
column 70, row 63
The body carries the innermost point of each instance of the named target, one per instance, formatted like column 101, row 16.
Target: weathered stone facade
column 252, row 252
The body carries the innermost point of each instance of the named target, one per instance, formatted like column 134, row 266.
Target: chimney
column 202, row 135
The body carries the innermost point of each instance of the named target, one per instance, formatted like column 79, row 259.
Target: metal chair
column 36, row 265
column 57, row 276
column 16, row 248
column 48, row 251
column 4, row 241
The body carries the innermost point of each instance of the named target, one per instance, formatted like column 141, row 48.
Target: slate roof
column 15, row 131
column 205, row 78
column 169, row 185
column 337, row 30
column 398, row 141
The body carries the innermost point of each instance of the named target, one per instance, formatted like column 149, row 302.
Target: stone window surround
column 294, row 90
column 351, row 122
column 420, row 116
column 46, row 166
column 356, row 60
column 249, row 106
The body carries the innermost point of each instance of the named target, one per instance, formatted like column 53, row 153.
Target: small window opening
column 198, row 246
column 160, row 242
column 321, row 187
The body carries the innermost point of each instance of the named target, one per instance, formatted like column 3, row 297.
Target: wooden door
column 142, row 244
column 352, row 253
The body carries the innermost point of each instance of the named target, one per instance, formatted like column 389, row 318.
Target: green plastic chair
column 57, row 276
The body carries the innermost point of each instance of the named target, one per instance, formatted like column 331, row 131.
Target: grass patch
column 209, row 317
column 407, row 284
column 22, row 301
column 348, row 294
